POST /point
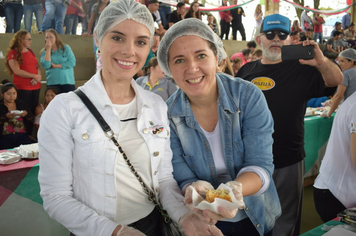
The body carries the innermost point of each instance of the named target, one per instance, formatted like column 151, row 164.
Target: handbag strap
column 110, row 134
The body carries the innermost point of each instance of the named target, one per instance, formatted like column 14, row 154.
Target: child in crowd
column 295, row 38
column 211, row 23
column 256, row 55
column 50, row 93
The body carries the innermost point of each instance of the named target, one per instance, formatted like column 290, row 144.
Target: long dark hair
column 6, row 85
column 97, row 8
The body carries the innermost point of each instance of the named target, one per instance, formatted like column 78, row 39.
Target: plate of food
column 8, row 157
column 28, row 151
column 222, row 196
column 17, row 112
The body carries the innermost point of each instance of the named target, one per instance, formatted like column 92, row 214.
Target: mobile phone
column 296, row 52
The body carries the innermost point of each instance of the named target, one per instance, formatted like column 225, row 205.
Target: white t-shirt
column 132, row 201
column 216, row 149
column 337, row 171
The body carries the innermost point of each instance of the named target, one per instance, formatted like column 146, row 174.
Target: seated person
column 15, row 117
column 176, row 15
column 334, row 188
column 338, row 27
column 295, row 27
column 332, row 46
column 307, row 35
column 350, row 35
column 295, row 38
column 236, row 64
column 50, row 93
column 244, row 54
column 193, row 11
column 225, row 66
column 256, row 55
column 155, row 81
column 153, row 6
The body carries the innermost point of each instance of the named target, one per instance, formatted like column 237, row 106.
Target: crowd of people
column 60, row 14
column 57, row 59
column 178, row 112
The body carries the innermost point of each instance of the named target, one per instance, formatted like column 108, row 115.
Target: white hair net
column 119, row 11
column 187, row 27
column 349, row 54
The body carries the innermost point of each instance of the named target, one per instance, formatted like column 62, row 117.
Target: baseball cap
column 275, row 22
column 152, row 1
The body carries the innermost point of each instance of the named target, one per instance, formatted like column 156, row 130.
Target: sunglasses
column 271, row 34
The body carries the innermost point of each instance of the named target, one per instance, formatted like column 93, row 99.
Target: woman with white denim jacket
column 85, row 183
column 221, row 131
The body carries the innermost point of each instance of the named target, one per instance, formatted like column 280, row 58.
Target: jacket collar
column 179, row 106
column 95, row 90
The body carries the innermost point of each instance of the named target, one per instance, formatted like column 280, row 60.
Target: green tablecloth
column 21, row 210
column 318, row 231
column 317, row 131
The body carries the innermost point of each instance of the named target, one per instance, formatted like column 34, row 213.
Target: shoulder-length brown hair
column 257, row 10
column 17, row 45
column 191, row 12
column 59, row 42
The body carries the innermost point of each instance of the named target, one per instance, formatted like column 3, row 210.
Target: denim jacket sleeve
column 256, row 129
column 179, row 162
column 170, row 195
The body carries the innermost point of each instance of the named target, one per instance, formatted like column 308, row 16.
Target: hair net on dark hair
column 187, row 27
column 348, row 54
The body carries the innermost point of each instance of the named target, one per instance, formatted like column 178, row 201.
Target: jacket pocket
column 90, row 145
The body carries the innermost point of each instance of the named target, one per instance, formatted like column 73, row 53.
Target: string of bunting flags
column 227, row 8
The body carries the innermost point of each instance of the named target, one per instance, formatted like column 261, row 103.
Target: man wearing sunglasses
column 287, row 86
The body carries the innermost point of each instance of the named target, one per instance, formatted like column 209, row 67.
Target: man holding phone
column 287, row 86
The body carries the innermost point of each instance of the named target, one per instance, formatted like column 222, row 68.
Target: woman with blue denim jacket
column 86, row 185
column 221, row 131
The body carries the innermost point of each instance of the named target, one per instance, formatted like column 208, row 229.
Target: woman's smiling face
column 193, row 65
column 124, row 49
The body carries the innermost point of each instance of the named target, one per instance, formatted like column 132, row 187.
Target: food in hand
column 218, row 193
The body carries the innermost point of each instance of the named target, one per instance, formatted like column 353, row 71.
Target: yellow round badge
column 264, row 83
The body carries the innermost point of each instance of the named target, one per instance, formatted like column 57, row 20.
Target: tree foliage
column 301, row 2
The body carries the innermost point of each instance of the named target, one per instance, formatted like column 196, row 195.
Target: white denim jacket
column 77, row 160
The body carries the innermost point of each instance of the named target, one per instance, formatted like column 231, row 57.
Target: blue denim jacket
column 246, row 126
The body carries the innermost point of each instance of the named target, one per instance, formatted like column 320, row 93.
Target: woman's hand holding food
column 10, row 115
column 237, row 190
column 200, row 186
column 206, row 215
column 191, row 225
column 23, row 114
